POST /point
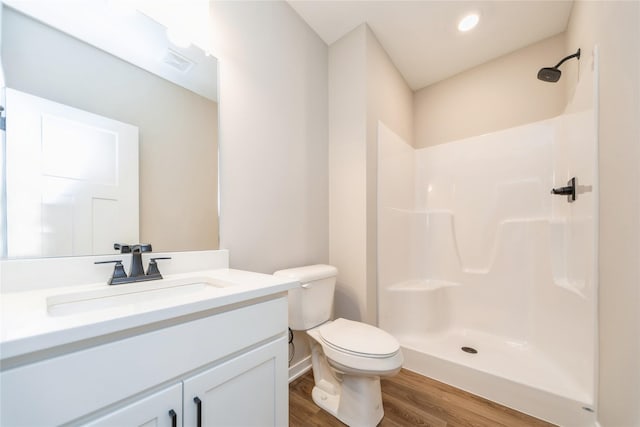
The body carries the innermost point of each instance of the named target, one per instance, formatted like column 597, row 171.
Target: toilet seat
column 357, row 348
column 358, row 339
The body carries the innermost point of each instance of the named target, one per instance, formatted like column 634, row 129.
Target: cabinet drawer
column 58, row 390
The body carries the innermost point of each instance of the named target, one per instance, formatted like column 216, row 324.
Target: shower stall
column 486, row 278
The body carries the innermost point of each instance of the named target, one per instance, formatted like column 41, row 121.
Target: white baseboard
column 299, row 368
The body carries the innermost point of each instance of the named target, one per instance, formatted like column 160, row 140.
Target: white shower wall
column 473, row 248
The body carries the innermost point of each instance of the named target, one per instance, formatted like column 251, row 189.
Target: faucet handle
column 119, row 275
column 152, row 270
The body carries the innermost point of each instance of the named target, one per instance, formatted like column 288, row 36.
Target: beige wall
column 178, row 129
column 273, row 136
column 364, row 87
column 615, row 27
column 499, row 94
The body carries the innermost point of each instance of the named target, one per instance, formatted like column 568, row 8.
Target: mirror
column 167, row 92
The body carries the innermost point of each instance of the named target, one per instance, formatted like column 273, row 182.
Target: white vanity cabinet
column 240, row 392
column 232, row 358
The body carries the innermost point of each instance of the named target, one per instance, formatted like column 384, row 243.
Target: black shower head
column 552, row 74
column 549, row 74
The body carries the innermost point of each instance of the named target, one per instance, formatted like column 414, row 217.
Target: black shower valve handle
column 569, row 190
column 563, row 191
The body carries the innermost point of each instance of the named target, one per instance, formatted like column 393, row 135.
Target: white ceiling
column 422, row 38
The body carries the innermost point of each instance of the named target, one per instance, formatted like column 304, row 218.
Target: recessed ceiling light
column 468, row 22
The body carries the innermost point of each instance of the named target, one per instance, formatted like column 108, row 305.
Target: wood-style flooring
column 410, row 399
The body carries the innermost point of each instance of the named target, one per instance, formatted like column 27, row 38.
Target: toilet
column 348, row 358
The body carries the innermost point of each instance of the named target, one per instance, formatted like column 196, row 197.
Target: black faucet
column 136, row 272
column 136, row 251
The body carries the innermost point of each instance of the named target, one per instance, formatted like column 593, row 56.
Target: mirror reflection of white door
column 72, row 179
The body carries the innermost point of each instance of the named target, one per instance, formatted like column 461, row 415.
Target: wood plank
column 396, row 410
column 411, row 399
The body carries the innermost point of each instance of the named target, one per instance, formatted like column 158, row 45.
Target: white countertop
column 37, row 320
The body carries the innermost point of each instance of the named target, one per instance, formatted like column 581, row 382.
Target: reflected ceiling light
column 468, row 22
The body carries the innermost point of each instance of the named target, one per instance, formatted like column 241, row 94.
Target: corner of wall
column 364, row 87
column 347, row 166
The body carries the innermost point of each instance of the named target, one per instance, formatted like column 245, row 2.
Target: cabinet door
column 161, row 409
column 248, row 390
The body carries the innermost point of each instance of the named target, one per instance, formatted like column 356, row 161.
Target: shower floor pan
column 513, row 374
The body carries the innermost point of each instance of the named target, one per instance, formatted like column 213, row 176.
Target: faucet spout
column 136, row 270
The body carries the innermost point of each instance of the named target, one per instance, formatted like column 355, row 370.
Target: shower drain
column 469, row 350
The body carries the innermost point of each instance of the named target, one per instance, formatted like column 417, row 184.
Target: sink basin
column 132, row 294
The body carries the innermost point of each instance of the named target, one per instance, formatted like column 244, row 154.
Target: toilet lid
column 359, row 338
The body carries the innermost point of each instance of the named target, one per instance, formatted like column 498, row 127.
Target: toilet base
column 352, row 396
column 358, row 404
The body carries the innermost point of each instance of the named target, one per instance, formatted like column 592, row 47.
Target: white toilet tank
column 312, row 303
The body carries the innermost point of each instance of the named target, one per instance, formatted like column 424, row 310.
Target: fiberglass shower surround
column 474, row 251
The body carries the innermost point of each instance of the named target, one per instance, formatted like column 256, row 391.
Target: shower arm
column 575, row 55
